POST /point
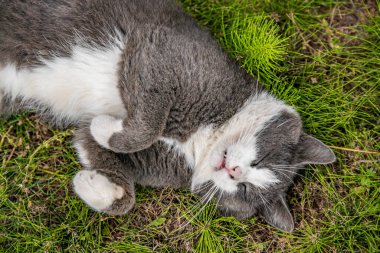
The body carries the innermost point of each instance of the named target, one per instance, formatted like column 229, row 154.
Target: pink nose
column 234, row 172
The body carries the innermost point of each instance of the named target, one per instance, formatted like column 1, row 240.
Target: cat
column 257, row 186
column 147, row 78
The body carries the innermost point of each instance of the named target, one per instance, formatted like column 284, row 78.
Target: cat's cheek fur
column 261, row 178
column 103, row 127
column 223, row 181
column 96, row 190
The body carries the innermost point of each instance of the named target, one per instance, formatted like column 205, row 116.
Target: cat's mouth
column 234, row 172
column 222, row 164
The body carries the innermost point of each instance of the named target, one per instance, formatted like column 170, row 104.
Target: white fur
column 193, row 148
column 82, row 154
column 103, row 127
column 205, row 148
column 262, row 178
column 74, row 88
column 222, row 180
column 96, row 190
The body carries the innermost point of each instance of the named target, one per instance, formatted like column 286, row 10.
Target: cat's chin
column 219, row 179
column 223, row 181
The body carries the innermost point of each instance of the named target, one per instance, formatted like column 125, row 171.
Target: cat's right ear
column 312, row 151
column 278, row 215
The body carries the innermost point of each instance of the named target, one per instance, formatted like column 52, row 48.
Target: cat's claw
column 96, row 190
column 103, row 127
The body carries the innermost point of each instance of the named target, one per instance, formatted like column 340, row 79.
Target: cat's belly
column 73, row 88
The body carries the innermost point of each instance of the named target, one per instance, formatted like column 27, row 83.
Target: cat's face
column 240, row 161
column 250, row 169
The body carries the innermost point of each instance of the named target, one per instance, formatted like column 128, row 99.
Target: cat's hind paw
column 101, row 194
column 103, row 127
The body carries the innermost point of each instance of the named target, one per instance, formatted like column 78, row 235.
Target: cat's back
column 40, row 29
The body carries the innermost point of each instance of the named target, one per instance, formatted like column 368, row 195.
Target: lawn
column 323, row 57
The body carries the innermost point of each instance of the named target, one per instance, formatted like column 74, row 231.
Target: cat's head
column 255, row 160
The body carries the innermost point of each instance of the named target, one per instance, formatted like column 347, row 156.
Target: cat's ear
column 278, row 215
column 312, row 151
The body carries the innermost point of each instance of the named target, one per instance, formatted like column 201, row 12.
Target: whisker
column 265, row 201
column 290, row 171
column 202, row 187
column 215, row 190
column 283, row 173
column 202, row 199
column 283, row 165
column 209, row 194
column 216, row 205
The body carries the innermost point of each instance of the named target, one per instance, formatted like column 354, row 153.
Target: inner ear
column 310, row 150
column 278, row 215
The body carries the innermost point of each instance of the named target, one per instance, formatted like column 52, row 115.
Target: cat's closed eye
column 258, row 161
column 254, row 164
column 244, row 188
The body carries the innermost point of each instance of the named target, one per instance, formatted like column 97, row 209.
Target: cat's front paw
column 99, row 192
column 103, row 127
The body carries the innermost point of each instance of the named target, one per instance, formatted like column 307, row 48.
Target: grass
column 323, row 57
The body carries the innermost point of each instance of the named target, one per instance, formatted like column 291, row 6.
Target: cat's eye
column 244, row 189
column 257, row 162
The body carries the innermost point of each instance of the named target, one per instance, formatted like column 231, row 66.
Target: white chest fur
column 73, row 88
column 194, row 148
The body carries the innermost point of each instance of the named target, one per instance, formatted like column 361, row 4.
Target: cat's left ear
column 278, row 215
column 312, row 151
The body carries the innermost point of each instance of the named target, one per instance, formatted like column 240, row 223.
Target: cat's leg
column 3, row 108
column 137, row 132
column 2, row 101
column 9, row 103
column 105, row 184
column 9, row 106
column 99, row 191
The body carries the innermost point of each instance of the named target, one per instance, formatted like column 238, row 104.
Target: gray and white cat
column 157, row 88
